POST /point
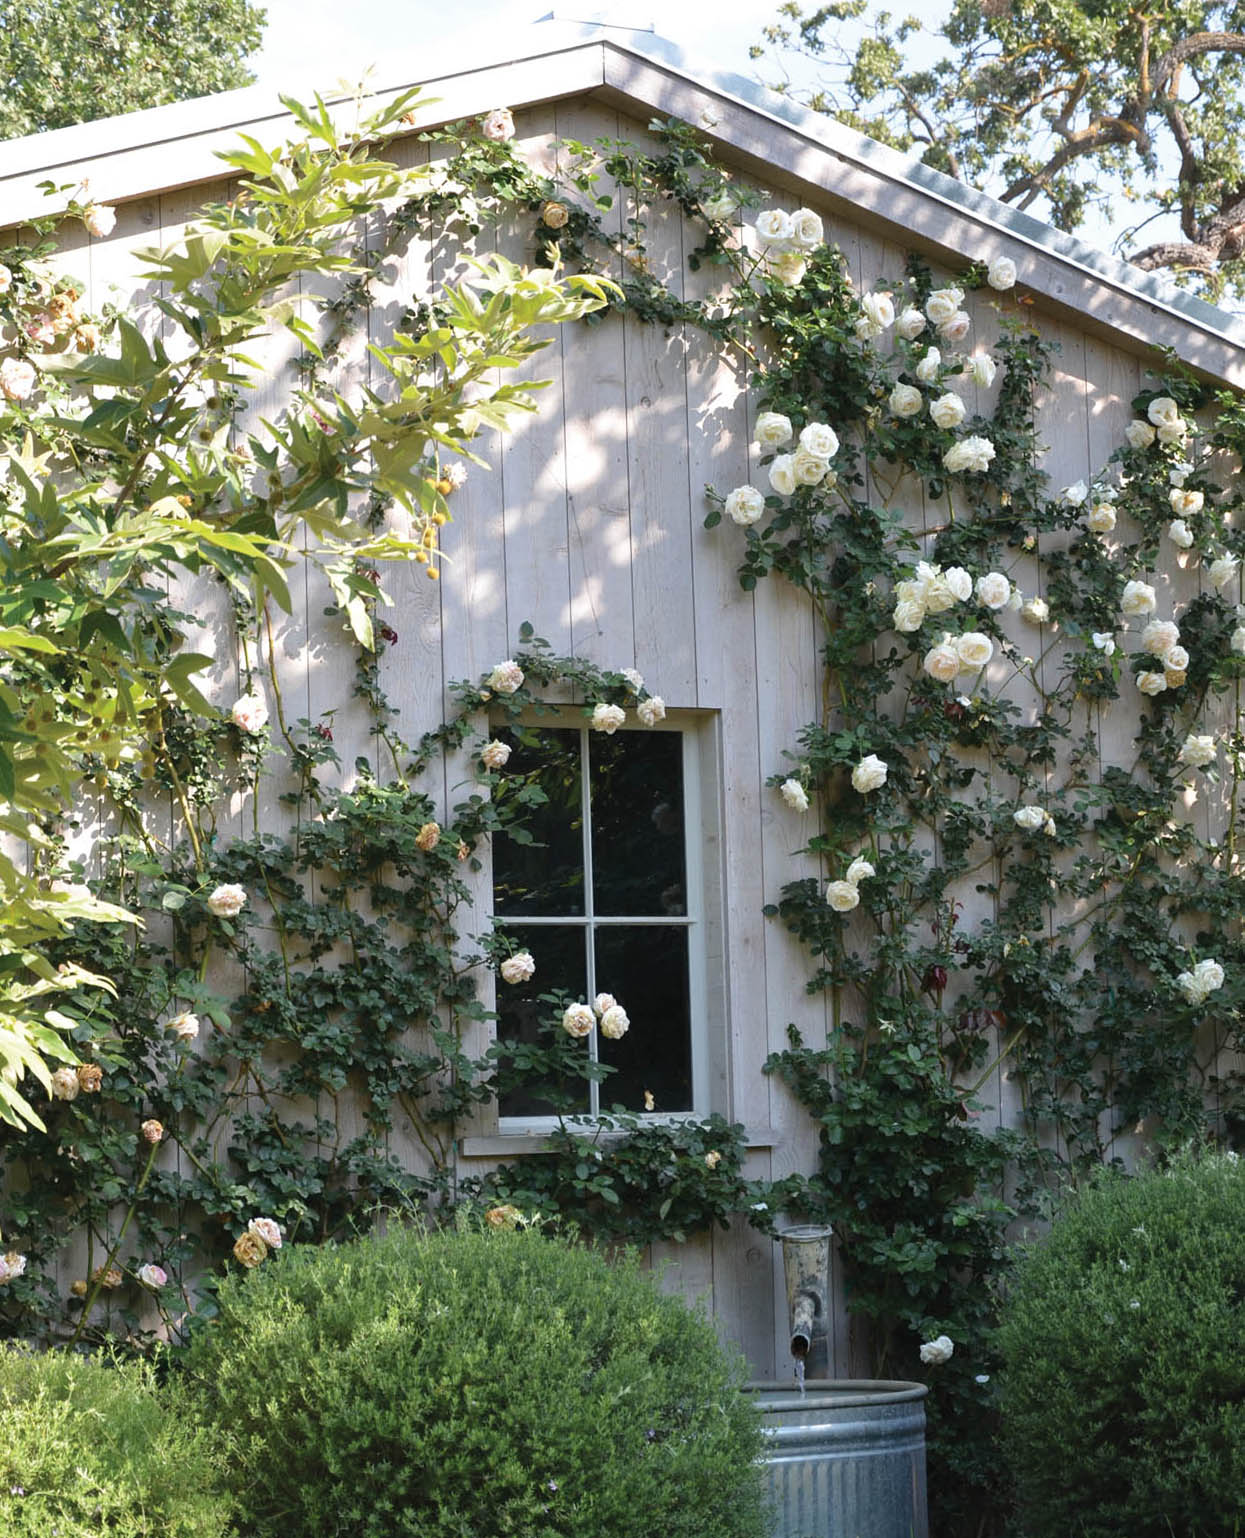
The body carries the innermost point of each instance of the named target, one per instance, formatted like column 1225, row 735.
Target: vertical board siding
column 587, row 522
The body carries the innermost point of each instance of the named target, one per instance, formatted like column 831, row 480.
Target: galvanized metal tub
column 845, row 1459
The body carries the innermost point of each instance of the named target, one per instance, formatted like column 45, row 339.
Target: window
column 611, row 897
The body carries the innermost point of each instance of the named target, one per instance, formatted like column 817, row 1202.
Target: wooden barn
column 589, row 526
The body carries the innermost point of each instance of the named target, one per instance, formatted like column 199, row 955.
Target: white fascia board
column 144, row 153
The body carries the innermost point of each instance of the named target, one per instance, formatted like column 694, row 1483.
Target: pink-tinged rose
column 153, row 1276
column 506, row 677
column 495, row 754
column 267, row 1230
column 518, row 968
column 578, row 1020
column 249, row 714
column 17, row 379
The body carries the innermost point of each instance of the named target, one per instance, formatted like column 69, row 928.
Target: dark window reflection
column 638, row 864
column 545, row 877
column 561, row 963
column 645, row 968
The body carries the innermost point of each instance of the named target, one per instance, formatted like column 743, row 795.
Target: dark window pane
column 638, row 864
column 645, row 968
column 561, row 963
column 545, row 877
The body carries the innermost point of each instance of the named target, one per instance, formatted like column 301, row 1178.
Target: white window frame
column 702, row 920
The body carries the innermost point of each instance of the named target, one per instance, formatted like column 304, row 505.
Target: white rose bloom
column 1075, row 494
column 960, row 583
column 1163, row 411
column 12, row 1265
column 819, row 440
column 1199, row 752
column 879, row 311
column 1001, row 273
column 1237, row 642
column 993, row 590
column 1210, row 974
column 651, row 710
column 65, row 1084
column 249, row 714
column 607, row 718
column 927, row 369
column 1223, row 569
column 184, row 1026
column 859, row 870
column 905, row 400
column 942, row 662
column 974, row 649
column 1180, row 534
column 720, row 209
column 869, row 774
column 614, row 1022
column 842, row 896
column 1185, row 503
column 518, row 968
column 942, row 304
column 1015, row 600
column 910, row 323
column 774, row 228
column 788, row 267
column 938, row 594
column 794, row 794
column 267, row 1229
column 745, row 505
column 226, row 901
column 807, row 232
column 1137, row 598
column 100, row 220
column 17, row 379
column 578, row 1020
column 1174, row 434
column 1152, row 683
column 1029, row 817
column 909, row 615
column 983, row 369
column 773, row 430
column 1104, row 642
column 1101, row 519
column 635, row 679
column 1159, row 636
column 498, row 125
column 1175, row 661
column 935, row 1352
column 506, row 677
column 1036, row 611
column 969, row 454
column 1140, row 434
column 782, row 475
column 603, row 1001
column 947, row 410
column 808, row 469
column 957, row 327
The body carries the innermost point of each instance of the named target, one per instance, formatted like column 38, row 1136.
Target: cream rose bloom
column 720, row 209
column 947, row 411
column 745, row 505
column 959, row 582
column 1180, row 534
column 775, row 228
column 807, row 231
column 957, row 327
column 607, row 718
column 1198, row 751
column 1159, row 636
column 1075, row 494
column 773, row 430
column 17, row 379
column 905, row 400
column 927, row 369
column 1140, row 435
column 249, row 714
column 869, row 774
column 1175, row 661
column 909, row 615
column 942, row 662
column 518, row 968
column 969, row 454
column 809, row 469
column 1104, row 642
column 859, row 870
column 1223, row 569
column 982, row 370
column 498, row 125
column 942, row 304
column 1163, row 411
column 782, row 475
column 788, row 267
column 1036, row 611
column 227, row 900
column 842, row 896
column 99, row 219
column 1185, row 503
column 1001, row 274
column 1029, row 817
column 65, row 1084
column 266, row 1229
column 974, row 649
column 578, row 1020
column 1137, row 598
column 993, row 590
column 819, row 440
column 1152, row 683
column 651, row 710
column 910, row 323
column 794, row 794
column 495, row 754
column 614, row 1022
column 879, row 311
column 1101, row 519
column 184, row 1026
column 506, row 677
column 935, row 1352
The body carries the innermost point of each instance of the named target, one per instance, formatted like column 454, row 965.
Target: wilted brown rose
column 554, row 214
column 250, row 1250
column 503, row 1217
column 110, row 1277
column 153, row 1130
column 78, row 1289
column 90, row 1077
column 428, row 836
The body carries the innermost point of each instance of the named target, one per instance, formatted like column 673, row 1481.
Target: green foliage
column 71, row 63
column 91, row 1446
column 475, row 1384
column 1123, row 1344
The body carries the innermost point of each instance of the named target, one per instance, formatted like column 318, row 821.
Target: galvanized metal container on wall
column 845, row 1459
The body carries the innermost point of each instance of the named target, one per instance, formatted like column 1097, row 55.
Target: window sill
column 512, row 1145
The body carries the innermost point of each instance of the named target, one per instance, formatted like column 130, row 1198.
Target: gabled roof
column 773, row 137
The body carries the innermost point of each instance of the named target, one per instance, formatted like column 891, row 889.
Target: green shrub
column 465, row 1385
column 91, row 1447
column 1123, row 1342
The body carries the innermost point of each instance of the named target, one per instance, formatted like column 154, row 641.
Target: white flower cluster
column 931, row 590
column 967, row 653
column 844, row 895
column 580, row 1019
column 1160, row 639
column 1204, row 980
column 786, row 241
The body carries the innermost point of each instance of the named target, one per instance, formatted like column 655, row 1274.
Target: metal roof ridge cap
column 881, row 160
